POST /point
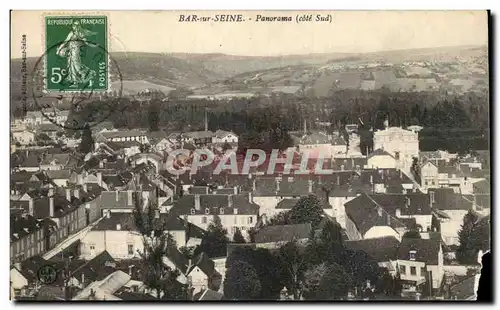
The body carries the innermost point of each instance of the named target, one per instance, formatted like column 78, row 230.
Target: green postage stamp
column 76, row 58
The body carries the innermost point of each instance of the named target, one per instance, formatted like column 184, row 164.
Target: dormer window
column 193, row 211
column 221, row 211
column 413, row 255
column 235, row 211
column 207, row 211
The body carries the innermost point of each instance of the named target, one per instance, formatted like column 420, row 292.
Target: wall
column 381, row 161
column 351, row 230
column 198, row 279
column 338, row 209
column 115, row 242
column 17, row 279
column 381, row 231
column 267, row 204
column 450, row 228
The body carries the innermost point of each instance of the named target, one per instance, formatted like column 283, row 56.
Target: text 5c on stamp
column 76, row 58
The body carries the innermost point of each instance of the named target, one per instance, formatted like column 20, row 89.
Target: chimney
column 197, row 202
column 85, row 187
column 371, row 178
column 277, row 186
column 388, row 220
column 236, row 190
column 101, row 164
column 68, row 194
column 407, row 202
column 398, row 212
column 157, row 214
column 117, row 196
column 400, row 174
column 253, row 185
column 338, row 180
column 99, row 178
column 51, row 206
column 235, row 211
column 130, row 198
column 230, row 201
column 83, row 279
column 310, row 186
column 31, row 207
column 250, row 198
column 264, row 219
column 431, row 199
column 305, row 126
column 474, row 202
column 207, row 190
column 118, row 226
column 206, row 120
column 108, row 214
column 76, row 192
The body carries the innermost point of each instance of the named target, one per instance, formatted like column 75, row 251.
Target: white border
column 227, row 5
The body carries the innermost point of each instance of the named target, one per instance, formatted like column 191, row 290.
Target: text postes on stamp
column 75, row 61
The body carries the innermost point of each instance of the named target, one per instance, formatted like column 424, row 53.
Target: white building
column 222, row 136
column 400, row 143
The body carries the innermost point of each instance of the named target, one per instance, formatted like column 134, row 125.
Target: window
column 92, row 247
column 422, row 271
column 130, row 249
column 402, row 269
column 221, row 210
column 413, row 271
column 204, row 220
column 193, row 211
column 412, row 255
column 207, row 211
column 250, row 220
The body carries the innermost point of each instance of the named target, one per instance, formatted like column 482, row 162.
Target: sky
column 349, row 32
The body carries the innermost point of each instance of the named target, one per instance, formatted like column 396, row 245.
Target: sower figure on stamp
column 71, row 48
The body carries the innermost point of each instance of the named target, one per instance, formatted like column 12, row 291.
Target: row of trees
column 474, row 235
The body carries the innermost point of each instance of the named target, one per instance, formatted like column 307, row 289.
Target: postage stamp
column 76, row 58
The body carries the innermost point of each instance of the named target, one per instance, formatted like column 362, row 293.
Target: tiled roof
column 287, row 203
column 206, row 265
column 278, row 233
column 315, row 138
column 118, row 145
column 199, row 134
column 482, row 187
column 48, row 127
column 447, row 199
column 24, row 226
column 381, row 249
column 59, row 174
column 409, row 204
column 61, row 206
column 366, row 213
column 62, row 159
column 426, row 250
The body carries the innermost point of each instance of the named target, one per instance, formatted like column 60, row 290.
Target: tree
column 307, row 210
column 474, row 235
column 157, row 244
column 214, row 243
column 326, row 282
column 360, row 267
column 238, row 237
column 87, row 143
column 154, row 115
column 266, row 266
column 241, row 282
column 414, row 234
column 293, row 263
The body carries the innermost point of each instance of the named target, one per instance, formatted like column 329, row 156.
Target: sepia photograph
column 235, row 156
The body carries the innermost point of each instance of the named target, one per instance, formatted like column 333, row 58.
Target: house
column 23, row 275
column 315, row 144
column 383, row 250
column 402, row 144
column 366, row 219
column 203, row 274
column 124, row 148
column 104, row 289
column 121, row 136
column 234, row 211
column 117, row 234
column 50, row 130
column 273, row 237
column 222, row 137
column 24, row 137
column 28, row 236
column 34, row 118
column 58, row 162
column 62, row 177
column 420, row 260
column 381, row 159
column 198, row 138
column 429, row 175
column 450, row 209
column 30, row 163
column 339, row 145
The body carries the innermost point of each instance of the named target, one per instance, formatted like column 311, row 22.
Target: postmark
column 47, row 274
column 74, row 61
